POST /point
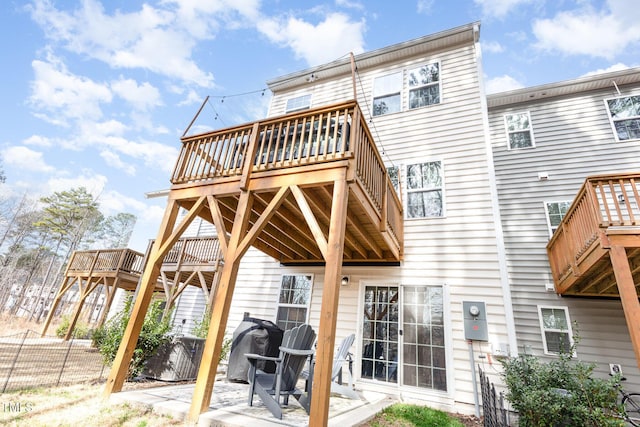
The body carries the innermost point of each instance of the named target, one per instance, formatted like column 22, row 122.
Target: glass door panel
column 380, row 333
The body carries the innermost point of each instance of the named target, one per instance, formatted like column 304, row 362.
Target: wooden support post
column 52, row 310
column 120, row 367
column 109, row 291
column 628, row 295
column 220, row 311
column 76, row 313
column 319, row 414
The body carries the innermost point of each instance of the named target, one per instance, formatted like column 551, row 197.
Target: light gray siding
column 573, row 139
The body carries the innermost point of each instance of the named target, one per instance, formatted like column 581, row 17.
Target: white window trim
column 409, row 89
column 612, row 121
column 307, row 306
column 546, row 213
column 301, row 108
column 400, row 91
column 569, row 330
column 405, row 177
column 506, row 130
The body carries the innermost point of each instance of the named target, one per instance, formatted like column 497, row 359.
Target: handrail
column 602, row 201
column 107, row 260
column 194, row 251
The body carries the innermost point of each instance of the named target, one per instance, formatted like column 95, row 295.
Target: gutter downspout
column 495, row 207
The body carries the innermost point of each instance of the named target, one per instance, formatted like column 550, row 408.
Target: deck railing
column 321, row 135
column 106, row 260
column 193, row 251
column 603, row 201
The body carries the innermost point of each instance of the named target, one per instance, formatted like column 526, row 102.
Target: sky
column 98, row 93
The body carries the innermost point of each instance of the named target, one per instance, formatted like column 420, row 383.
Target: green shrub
column 155, row 332
column 561, row 392
column 201, row 330
column 81, row 330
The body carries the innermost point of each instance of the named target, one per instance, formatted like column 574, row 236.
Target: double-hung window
column 425, row 190
column 555, row 325
column 424, row 85
column 555, row 212
column 298, row 103
column 519, row 131
column 387, row 94
column 624, row 113
column 294, row 300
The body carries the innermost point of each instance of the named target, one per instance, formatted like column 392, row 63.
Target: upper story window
column 424, row 85
column 555, row 325
column 387, row 94
column 425, row 190
column 298, row 103
column 519, row 131
column 624, row 113
column 555, row 212
column 294, row 300
column 394, row 177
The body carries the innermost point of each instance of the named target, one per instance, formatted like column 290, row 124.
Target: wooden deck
column 308, row 150
column 596, row 249
column 605, row 212
column 304, row 188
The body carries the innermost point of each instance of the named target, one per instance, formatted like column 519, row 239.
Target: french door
column 403, row 336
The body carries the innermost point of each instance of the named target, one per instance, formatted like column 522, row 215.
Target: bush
column 81, row 331
column 201, row 329
column 154, row 333
column 561, row 392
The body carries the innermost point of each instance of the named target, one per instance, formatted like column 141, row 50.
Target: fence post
column 64, row 362
column 13, row 364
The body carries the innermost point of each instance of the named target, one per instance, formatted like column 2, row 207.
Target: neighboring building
column 546, row 141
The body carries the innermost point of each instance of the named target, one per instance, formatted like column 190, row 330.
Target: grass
column 74, row 406
column 401, row 415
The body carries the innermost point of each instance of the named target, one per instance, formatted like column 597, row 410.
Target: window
column 519, row 132
column 293, row 303
column 556, row 329
column 387, row 94
column 424, row 85
column 299, row 103
column 555, row 212
column 424, row 190
column 394, row 176
column 624, row 113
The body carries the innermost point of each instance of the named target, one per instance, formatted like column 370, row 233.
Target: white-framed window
column 555, row 326
column 555, row 211
column 394, row 177
column 294, row 300
column 298, row 103
column 424, row 85
column 624, row 113
column 387, row 94
column 519, row 130
column 425, row 190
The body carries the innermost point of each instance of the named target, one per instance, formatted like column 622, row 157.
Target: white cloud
column 59, row 95
column 338, row 33
column 112, row 159
column 38, row 141
column 192, row 98
column 615, row 67
column 601, row 33
column 502, row 84
column 125, row 40
column 424, row 6
column 94, row 183
column 492, row 47
column 499, row 8
column 142, row 96
column 26, row 159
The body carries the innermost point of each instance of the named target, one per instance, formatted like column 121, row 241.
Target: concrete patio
column 229, row 406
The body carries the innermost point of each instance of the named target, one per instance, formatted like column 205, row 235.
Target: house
column 547, row 140
column 380, row 197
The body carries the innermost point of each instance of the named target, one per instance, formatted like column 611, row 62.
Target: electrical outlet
column 500, row 349
column 615, row 369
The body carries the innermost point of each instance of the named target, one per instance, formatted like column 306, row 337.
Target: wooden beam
column 628, row 296
column 220, row 312
column 319, row 414
column 120, row 367
column 316, row 231
column 218, row 221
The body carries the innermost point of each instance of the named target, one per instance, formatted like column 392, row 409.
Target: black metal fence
column 493, row 409
column 28, row 361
